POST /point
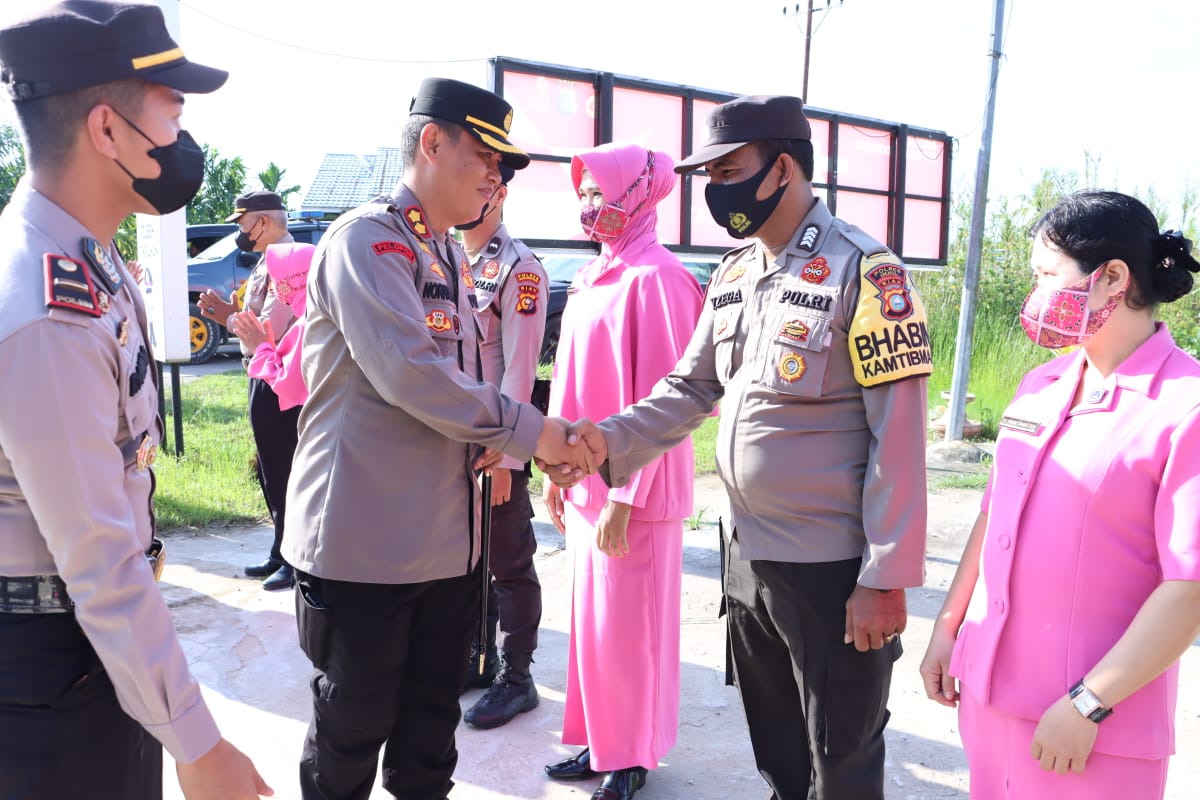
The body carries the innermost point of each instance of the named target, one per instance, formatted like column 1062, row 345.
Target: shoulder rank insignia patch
column 394, row 247
column 69, row 285
column 815, row 271
column 493, row 247
column 415, row 218
column 106, row 270
column 889, row 334
column 808, row 239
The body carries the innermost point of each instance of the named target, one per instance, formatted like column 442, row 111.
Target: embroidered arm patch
column 889, row 334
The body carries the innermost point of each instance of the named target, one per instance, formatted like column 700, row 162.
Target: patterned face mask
column 1057, row 318
column 607, row 222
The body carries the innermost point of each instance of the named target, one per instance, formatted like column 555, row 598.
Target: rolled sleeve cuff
column 511, row 463
column 190, row 735
column 617, row 471
column 891, row 571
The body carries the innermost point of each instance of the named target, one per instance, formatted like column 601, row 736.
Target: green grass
column 960, row 480
column 213, row 482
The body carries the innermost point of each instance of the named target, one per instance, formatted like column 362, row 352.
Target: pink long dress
column 628, row 322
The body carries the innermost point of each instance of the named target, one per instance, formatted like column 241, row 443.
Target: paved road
column 242, row 644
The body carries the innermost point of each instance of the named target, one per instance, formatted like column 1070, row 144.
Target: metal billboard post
column 957, row 412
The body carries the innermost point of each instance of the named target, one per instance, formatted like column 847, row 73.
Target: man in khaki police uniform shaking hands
column 383, row 506
column 90, row 668
column 817, row 342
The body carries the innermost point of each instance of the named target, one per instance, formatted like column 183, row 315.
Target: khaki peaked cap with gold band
column 75, row 44
column 486, row 115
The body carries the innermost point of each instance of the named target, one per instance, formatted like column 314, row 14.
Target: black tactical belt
column 47, row 594
column 35, row 594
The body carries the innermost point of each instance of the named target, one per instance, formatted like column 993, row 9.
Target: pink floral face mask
column 1057, row 318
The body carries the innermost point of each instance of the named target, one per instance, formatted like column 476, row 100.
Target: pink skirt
column 1001, row 767
column 622, row 697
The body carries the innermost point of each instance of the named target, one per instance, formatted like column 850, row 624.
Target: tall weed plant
column 1000, row 352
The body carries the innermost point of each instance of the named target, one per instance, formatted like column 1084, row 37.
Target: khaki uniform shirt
column 261, row 300
column 382, row 489
column 512, row 292
column 78, row 421
column 822, row 359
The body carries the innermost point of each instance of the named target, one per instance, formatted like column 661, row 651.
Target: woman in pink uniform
column 1089, row 540
column 630, row 315
column 279, row 364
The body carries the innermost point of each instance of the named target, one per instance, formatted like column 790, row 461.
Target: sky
column 1109, row 79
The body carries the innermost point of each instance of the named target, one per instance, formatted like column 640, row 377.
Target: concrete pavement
column 241, row 642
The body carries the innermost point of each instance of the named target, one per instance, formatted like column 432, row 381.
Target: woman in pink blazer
column 1088, row 545
column 630, row 315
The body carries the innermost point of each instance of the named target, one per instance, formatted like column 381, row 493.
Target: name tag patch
column 1018, row 424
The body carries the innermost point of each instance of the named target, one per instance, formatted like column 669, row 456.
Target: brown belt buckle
column 157, row 556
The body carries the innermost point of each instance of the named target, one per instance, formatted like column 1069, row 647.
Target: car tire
column 204, row 336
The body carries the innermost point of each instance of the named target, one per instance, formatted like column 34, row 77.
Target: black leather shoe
column 263, row 569
column 575, row 768
column 510, row 695
column 621, row 784
column 284, row 578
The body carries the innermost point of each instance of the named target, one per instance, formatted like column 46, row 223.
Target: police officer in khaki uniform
column 262, row 221
column 91, row 672
column 818, row 344
column 383, row 506
column 511, row 290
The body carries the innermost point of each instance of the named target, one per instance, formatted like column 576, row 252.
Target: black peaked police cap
column 487, row 116
column 75, row 44
column 261, row 200
column 756, row 118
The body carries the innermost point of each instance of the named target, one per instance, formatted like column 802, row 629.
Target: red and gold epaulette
column 69, row 285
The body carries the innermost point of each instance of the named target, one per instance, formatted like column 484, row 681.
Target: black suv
column 224, row 268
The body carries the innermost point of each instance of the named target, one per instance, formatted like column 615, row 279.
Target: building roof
column 345, row 180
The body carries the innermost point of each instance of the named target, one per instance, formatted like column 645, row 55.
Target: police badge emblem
column 792, row 367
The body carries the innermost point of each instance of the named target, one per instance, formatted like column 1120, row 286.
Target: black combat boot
column 512, row 693
column 491, row 661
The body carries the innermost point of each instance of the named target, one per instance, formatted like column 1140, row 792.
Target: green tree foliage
column 1001, row 353
column 12, row 162
column 224, row 180
column 271, row 179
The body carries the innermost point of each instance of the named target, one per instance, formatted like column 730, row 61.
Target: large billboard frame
column 899, row 136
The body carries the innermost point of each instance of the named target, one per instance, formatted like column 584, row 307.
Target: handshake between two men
column 566, row 451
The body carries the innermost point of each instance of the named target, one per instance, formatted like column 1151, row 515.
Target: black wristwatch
column 1087, row 704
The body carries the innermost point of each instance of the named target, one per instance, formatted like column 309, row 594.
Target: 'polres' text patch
column 889, row 335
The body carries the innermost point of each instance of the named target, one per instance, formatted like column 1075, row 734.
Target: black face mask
column 475, row 223
column 244, row 242
column 735, row 207
column 182, row 174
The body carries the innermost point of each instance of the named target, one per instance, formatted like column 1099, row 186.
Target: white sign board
column 162, row 251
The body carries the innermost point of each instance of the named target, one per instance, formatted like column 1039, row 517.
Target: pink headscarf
column 288, row 263
column 615, row 167
column 279, row 364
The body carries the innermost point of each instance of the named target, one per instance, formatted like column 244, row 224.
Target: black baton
column 485, row 579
